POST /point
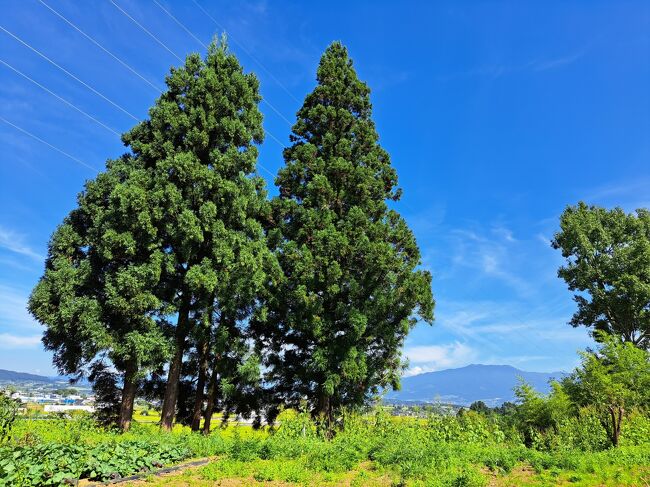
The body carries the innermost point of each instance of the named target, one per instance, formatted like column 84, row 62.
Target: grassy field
column 596, row 471
column 374, row 449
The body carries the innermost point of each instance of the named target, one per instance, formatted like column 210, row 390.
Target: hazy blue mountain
column 491, row 384
column 10, row 375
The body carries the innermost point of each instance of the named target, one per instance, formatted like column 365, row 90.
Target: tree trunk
column 128, row 395
column 325, row 413
column 200, row 384
column 616, row 414
column 173, row 378
column 209, row 407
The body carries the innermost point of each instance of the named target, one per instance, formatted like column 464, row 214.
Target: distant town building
column 58, row 408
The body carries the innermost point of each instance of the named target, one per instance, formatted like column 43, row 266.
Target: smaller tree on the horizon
column 607, row 256
column 479, row 407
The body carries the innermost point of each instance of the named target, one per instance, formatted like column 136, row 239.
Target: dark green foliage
column 351, row 290
column 52, row 464
column 173, row 228
column 107, row 393
column 198, row 146
column 608, row 268
column 8, row 411
column 99, row 295
column 479, row 407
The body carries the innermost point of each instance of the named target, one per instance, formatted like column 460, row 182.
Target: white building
column 56, row 408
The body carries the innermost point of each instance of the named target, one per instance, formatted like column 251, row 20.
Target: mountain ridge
column 12, row 375
column 492, row 384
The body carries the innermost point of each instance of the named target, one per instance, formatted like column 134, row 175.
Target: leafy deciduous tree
column 614, row 379
column 608, row 266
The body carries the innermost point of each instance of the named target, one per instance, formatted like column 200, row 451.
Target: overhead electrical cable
column 145, row 30
column 60, row 98
column 243, row 48
column 169, row 14
column 94, row 41
column 206, row 45
column 70, row 74
column 26, row 132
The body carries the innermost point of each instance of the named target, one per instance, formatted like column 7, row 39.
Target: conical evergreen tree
column 168, row 236
column 351, row 289
column 199, row 144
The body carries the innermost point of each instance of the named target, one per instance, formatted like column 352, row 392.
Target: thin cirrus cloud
column 492, row 255
column 14, row 242
column 11, row 341
column 498, row 70
column 13, row 310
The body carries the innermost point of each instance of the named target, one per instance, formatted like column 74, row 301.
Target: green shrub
column 469, row 478
column 335, row 456
column 8, row 410
column 635, row 430
column 53, row 463
column 245, row 449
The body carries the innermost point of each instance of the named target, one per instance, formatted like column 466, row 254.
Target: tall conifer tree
column 169, row 237
column 351, row 289
column 199, row 144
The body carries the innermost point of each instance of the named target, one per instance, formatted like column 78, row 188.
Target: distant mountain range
column 492, row 384
column 10, row 375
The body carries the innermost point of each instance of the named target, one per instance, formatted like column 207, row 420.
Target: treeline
column 177, row 278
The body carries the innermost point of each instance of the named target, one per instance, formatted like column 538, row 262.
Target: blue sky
column 496, row 114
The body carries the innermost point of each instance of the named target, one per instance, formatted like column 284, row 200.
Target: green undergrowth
column 468, row 451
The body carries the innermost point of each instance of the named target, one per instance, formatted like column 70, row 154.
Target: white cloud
column 504, row 233
column 495, row 257
column 428, row 358
column 501, row 69
column 8, row 340
column 547, row 64
column 494, row 323
column 13, row 310
column 14, row 242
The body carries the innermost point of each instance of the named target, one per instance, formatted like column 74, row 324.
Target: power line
column 277, row 111
column 180, row 24
column 145, row 30
column 188, row 31
column 87, row 115
column 71, row 75
column 79, row 161
column 87, row 86
column 91, row 39
column 184, row 27
column 59, row 97
column 243, row 48
column 275, row 138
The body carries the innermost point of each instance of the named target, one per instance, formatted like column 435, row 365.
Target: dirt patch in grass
column 521, row 475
